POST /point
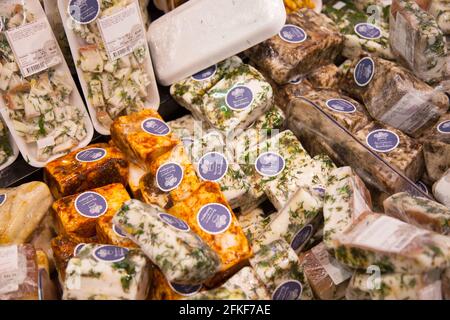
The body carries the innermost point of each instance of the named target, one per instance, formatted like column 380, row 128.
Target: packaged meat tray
column 41, row 104
column 112, row 58
column 308, row 40
column 91, row 167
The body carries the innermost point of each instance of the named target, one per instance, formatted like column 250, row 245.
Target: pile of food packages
column 311, row 162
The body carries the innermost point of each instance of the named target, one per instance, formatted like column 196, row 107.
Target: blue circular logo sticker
column 174, row 222
column 78, row 248
column 118, row 231
column 288, row 290
column 155, row 127
column 368, row 31
column 214, row 218
column 383, row 140
column 109, row 253
column 341, row 105
column 185, row 289
column 3, row 198
column 212, row 166
column 269, row 164
column 364, row 71
column 444, row 127
column 91, row 204
column 239, row 98
column 84, row 11
column 91, row 155
column 293, row 34
column 422, row 187
column 302, row 236
column 169, row 176
column 205, row 74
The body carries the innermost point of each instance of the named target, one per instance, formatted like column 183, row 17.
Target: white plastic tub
column 28, row 150
column 75, row 43
column 200, row 33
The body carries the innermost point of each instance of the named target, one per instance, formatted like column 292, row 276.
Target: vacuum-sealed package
column 440, row 189
column 168, row 242
column 436, row 148
column 41, row 104
column 394, row 96
column 417, row 41
column 395, row 286
column 392, row 245
column 419, row 211
column 161, row 289
column 22, row 210
column 308, row 40
column 362, row 30
column 91, row 167
column 109, row 47
column 120, row 274
column 19, row 273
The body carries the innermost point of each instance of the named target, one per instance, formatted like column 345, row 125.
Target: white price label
column 34, row 46
column 9, row 272
column 122, row 32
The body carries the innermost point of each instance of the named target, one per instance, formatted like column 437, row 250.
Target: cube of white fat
column 346, row 197
column 141, row 80
column 107, row 85
column 392, row 245
column 238, row 100
column 5, row 77
column 395, row 286
column 96, row 93
column 441, row 189
column 32, row 106
column 296, row 222
column 248, row 282
column 90, row 274
column 91, row 59
column 169, row 243
column 62, row 82
column 278, row 267
column 189, row 91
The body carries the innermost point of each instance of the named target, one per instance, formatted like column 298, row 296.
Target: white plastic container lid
column 200, row 33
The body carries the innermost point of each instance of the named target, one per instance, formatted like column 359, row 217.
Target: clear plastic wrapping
column 91, row 167
column 41, row 104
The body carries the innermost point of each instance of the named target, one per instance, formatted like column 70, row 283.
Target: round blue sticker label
column 91, row 204
column 155, row 127
column 383, row 140
column 169, row 176
column 422, row 187
column 212, row 166
column 185, row 289
column 364, row 71
column 118, row 231
column 91, row 155
column 444, row 127
column 269, row 164
column 302, row 236
column 341, row 105
column 288, row 290
column 109, row 253
column 368, row 31
column 78, row 248
column 214, row 218
column 3, row 199
column 84, row 11
column 174, row 222
column 205, row 74
column 239, row 98
column 292, row 34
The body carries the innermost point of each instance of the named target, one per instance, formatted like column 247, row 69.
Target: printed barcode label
column 36, row 68
column 122, row 32
column 34, row 46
